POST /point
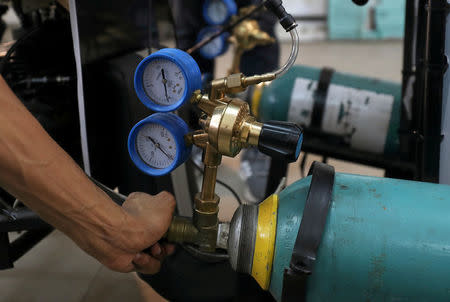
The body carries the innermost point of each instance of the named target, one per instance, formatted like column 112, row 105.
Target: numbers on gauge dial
column 217, row 11
column 163, row 82
column 156, row 146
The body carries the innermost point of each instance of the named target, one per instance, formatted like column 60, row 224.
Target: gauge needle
column 157, row 145
column 165, row 84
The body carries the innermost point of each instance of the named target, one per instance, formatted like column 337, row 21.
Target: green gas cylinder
column 361, row 113
column 384, row 240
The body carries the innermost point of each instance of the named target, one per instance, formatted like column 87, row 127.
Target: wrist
column 97, row 223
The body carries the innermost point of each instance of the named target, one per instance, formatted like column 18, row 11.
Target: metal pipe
column 20, row 220
column 293, row 56
column 207, row 202
column 435, row 65
column 27, row 241
column 209, row 182
column 417, row 108
column 409, row 77
column 211, row 160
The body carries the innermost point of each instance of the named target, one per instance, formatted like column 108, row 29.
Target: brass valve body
column 246, row 36
column 232, row 128
column 228, row 127
column 229, row 124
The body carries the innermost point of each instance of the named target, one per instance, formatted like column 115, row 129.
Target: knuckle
column 136, row 195
column 170, row 199
column 167, row 201
column 167, row 196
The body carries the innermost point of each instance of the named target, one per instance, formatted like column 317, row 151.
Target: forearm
column 37, row 171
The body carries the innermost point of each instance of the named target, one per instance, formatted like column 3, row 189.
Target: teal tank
column 385, row 240
column 363, row 113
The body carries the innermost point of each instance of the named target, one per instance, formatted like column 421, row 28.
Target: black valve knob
column 281, row 140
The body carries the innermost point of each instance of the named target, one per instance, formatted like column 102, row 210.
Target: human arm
column 43, row 176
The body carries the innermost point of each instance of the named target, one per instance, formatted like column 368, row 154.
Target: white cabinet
column 301, row 8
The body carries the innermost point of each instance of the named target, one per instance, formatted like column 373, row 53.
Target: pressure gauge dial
column 156, row 144
column 216, row 47
column 218, row 12
column 166, row 79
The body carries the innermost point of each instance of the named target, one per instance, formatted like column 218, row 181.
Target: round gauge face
column 156, row 146
column 214, row 47
column 217, row 11
column 163, row 82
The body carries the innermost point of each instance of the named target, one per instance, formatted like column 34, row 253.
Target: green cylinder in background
column 362, row 113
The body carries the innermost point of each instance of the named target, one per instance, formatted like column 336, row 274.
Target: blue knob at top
column 166, row 79
column 218, row 12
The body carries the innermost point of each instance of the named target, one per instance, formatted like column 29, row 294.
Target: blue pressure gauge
column 218, row 12
column 166, row 79
column 216, row 47
column 156, row 144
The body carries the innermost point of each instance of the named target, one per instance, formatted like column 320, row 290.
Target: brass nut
column 205, row 220
column 234, row 80
column 251, row 130
column 206, row 206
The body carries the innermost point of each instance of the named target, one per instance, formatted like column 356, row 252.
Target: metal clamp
column 320, row 97
column 310, row 233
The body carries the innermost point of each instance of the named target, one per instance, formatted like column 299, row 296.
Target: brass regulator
column 161, row 142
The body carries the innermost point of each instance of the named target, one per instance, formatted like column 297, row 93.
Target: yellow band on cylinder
column 256, row 99
column 265, row 241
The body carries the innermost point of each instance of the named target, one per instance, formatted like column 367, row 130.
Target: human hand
column 146, row 219
column 160, row 209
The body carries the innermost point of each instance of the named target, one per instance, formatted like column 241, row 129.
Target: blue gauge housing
column 216, row 47
column 176, row 126
column 231, row 9
column 191, row 73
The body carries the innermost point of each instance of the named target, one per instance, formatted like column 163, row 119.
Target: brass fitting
column 234, row 83
column 227, row 128
column 182, row 230
column 204, row 103
column 233, row 128
column 198, row 138
column 246, row 36
column 207, row 202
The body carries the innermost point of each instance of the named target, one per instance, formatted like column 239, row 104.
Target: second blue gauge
column 156, row 144
column 216, row 47
column 218, row 12
column 166, row 79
